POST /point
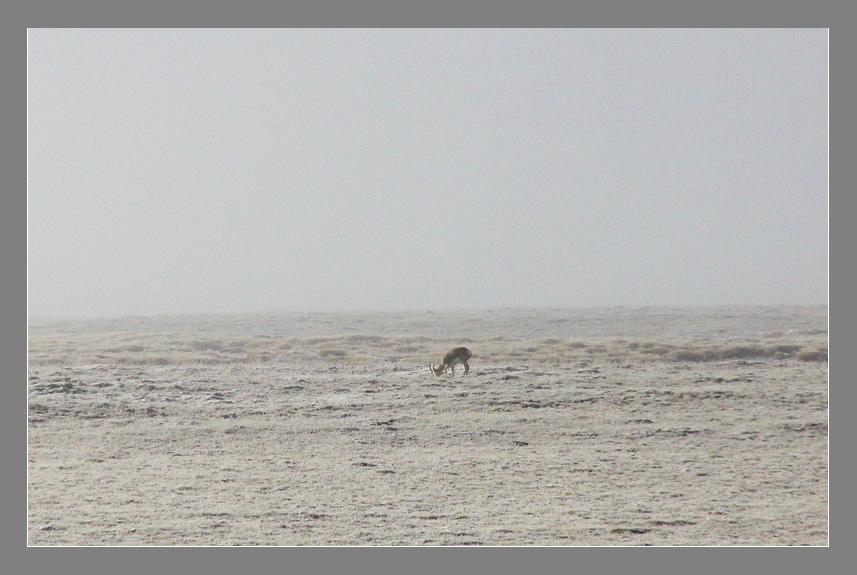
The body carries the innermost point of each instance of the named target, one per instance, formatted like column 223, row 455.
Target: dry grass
column 163, row 350
column 813, row 355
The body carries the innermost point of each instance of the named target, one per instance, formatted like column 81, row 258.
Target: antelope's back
column 459, row 353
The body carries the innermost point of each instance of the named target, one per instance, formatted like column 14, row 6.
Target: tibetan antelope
column 453, row 356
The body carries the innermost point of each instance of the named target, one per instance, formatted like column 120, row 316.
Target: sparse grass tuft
column 258, row 356
column 692, row 355
column 810, row 355
column 206, row 345
column 787, row 349
column 328, row 352
column 744, row 352
column 356, row 338
column 653, row 349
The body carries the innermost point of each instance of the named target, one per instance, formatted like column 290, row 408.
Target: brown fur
column 452, row 357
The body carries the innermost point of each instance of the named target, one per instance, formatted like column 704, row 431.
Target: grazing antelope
column 453, row 356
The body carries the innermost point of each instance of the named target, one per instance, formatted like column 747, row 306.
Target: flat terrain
column 604, row 426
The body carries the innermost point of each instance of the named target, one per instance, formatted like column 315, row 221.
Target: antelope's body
column 452, row 357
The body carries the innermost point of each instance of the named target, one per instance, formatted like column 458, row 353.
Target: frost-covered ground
column 605, row 426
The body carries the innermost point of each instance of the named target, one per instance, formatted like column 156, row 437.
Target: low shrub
column 692, row 355
column 788, row 349
column 816, row 355
column 744, row 352
column 332, row 353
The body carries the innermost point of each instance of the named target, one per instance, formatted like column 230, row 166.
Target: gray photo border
column 322, row 13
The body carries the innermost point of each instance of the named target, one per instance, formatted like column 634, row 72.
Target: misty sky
column 196, row 171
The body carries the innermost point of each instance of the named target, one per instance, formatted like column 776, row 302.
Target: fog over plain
column 218, row 171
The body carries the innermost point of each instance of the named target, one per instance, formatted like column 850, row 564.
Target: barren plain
column 583, row 427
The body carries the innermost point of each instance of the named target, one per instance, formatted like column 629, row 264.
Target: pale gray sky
column 188, row 171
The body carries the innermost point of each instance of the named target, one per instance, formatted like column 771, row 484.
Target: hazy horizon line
column 370, row 311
